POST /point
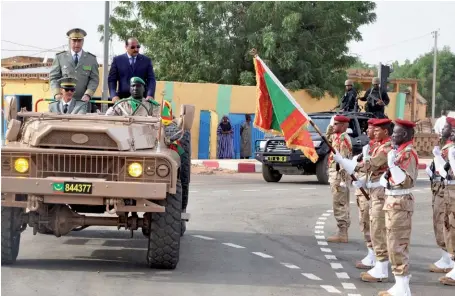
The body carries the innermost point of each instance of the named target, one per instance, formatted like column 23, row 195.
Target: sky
column 402, row 29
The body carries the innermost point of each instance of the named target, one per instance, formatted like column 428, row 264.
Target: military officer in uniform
column 440, row 199
column 135, row 104
column 76, row 63
column 398, row 180
column 67, row 104
column 339, row 177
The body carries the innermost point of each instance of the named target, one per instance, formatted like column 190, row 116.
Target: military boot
column 340, row 237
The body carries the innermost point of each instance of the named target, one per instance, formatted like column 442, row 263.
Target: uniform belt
column 436, row 179
column 373, row 184
column 397, row 191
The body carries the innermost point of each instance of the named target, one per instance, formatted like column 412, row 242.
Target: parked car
column 278, row 160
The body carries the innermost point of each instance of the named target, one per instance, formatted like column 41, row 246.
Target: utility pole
column 435, row 52
column 105, row 94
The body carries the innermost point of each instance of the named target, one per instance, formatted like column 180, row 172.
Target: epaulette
column 91, row 54
column 53, row 102
column 60, row 52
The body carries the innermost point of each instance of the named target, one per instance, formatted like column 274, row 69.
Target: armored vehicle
column 57, row 166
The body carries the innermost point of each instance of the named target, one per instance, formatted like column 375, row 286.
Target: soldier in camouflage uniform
column 399, row 203
column 339, row 178
column 135, row 104
column 362, row 202
column 76, row 63
column 440, row 201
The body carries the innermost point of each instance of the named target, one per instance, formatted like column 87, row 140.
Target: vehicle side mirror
column 187, row 114
column 10, row 108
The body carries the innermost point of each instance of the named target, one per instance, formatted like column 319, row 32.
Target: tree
column 422, row 69
column 304, row 43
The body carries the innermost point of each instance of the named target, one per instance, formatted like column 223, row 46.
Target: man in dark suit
column 128, row 65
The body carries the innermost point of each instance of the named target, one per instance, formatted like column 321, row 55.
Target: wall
column 219, row 99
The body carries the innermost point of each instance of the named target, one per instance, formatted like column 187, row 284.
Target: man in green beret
column 68, row 104
column 135, row 104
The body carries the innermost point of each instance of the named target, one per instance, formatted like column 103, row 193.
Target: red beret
column 405, row 123
column 372, row 121
column 341, row 118
column 379, row 122
column 451, row 121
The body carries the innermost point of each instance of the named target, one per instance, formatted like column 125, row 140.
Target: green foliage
column 422, row 69
column 304, row 43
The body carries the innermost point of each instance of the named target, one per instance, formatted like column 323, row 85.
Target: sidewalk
column 254, row 166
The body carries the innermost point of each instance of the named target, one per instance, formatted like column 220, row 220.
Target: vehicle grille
column 64, row 139
column 277, row 146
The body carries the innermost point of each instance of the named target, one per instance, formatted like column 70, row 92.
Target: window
column 363, row 122
column 321, row 122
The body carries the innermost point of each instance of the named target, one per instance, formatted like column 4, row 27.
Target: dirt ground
column 202, row 170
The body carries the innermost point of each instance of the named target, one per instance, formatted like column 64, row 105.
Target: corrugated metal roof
column 31, row 70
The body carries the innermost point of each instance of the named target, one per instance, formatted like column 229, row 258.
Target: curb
column 245, row 167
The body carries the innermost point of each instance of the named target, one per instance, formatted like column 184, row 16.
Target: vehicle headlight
column 262, row 145
column 21, row 165
column 316, row 143
column 135, row 169
column 162, row 170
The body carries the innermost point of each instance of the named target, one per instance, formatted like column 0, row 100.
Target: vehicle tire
column 270, row 175
column 322, row 172
column 165, row 231
column 11, row 234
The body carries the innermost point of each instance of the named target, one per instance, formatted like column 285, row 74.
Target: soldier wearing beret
column 135, row 104
column 67, row 104
column 76, row 63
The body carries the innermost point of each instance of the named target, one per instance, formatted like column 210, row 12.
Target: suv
column 55, row 167
column 278, row 160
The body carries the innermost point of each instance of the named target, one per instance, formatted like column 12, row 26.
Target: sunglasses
column 71, row 89
column 134, row 47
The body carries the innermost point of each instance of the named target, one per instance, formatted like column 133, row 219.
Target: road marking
column 193, row 191
column 348, row 286
column 95, row 242
column 352, row 202
column 319, row 237
column 234, row 246
column 203, row 237
column 322, row 243
column 311, row 276
column 220, row 191
column 330, row 257
column 319, row 227
column 326, row 250
column 330, row 289
column 417, row 190
column 280, row 189
column 326, row 214
column 426, row 179
column 342, row 275
column 322, row 218
column 336, row 265
column 329, row 211
column 262, row 255
column 320, row 222
column 308, row 188
column 250, row 190
column 291, row 266
column 318, row 231
column 354, row 295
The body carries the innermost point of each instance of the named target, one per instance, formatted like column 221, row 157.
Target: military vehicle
column 57, row 166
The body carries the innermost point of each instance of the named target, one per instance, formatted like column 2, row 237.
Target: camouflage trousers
column 378, row 224
column 364, row 217
column 339, row 185
column 440, row 205
column 398, row 221
column 451, row 220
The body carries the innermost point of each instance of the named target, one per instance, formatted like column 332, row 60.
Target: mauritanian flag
column 277, row 112
column 166, row 113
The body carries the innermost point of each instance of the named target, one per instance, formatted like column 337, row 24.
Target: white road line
column 354, row 295
column 329, row 211
column 352, row 202
column 319, row 237
column 319, row 227
column 262, row 255
column 336, row 265
column 322, row 243
column 203, row 237
column 330, row 257
column 307, row 188
column 348, row 286
column 326, row 214
column 311, row 276
column 342, row 275
column 322, row 218
column 290, row 265
column 318, row 231
column 426, row 179
column 95, row 242
column 330, row 289
column 250, row 190
column 280, row 189
column 193, row 191
column 220, row 191
column 326, row 250
column 320, row 222
column 234, row 246
column 417, row 190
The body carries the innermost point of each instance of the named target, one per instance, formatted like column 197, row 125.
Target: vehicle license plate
column 277, row 158
column 73, row 187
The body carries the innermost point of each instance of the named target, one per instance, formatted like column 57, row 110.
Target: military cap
column 383, row 121
column 372, row 121
column 76, row 33
column 67, row 82
column 348, row 82
column 342, row 118
column 405, row 123
column 376, row 80
column 134, row 80
column 451, row 121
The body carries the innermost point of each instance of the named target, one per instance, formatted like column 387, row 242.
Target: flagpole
column 254, row 53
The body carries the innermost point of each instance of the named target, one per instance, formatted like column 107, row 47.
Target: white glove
column 355, row 157
column 332, row 120
column 337, row 157
column 429, row 172
column 110, row 111
column 359, row 183
column 452, row 158
column 391, row 157
column 436, row 151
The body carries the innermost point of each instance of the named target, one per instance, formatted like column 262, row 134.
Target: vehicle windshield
column 321, row 122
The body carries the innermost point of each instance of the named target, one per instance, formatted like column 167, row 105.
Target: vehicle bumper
column 292, row 159
column 100, row 188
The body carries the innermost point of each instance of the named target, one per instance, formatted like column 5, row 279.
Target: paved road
column 245, row 237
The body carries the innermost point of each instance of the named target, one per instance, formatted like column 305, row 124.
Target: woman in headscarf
column 225, row 139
